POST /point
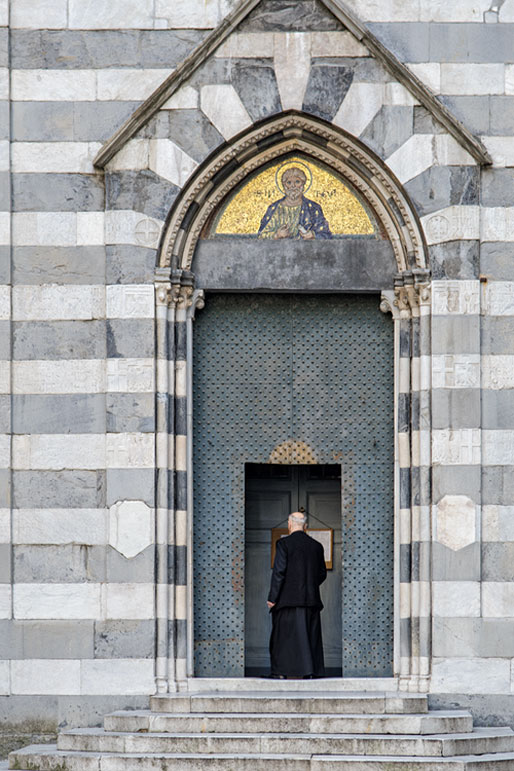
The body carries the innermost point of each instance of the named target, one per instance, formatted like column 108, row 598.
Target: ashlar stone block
column 499, row 298
column 115, row 14
column 130, row 227
column 470, row 675
column 127, row 600
column 498, row 447
column 497, row 523
column 128, row 84
column 455, row 521
column 54, row 85
column 455, row 297
column 452, row 223
column 456, row 598
column 456, row 446
column 121, row 676
column 498, row 599
column 5, row 601
column 45, row 14
column 130, row 301
column 59, row 377
column 170, row 162
column 498, row 371
column 222, row 105
column 130, row 375
column 45, row 676
column 456, row 371
column 292, row 68
column 361, row 104
column 131, row 527
column 497, row 223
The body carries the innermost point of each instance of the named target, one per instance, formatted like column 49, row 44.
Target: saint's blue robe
column 311, row 218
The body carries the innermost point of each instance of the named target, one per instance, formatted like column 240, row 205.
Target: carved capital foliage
column 412, row 292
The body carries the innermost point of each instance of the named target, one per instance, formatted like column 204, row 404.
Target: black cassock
column 296, row 648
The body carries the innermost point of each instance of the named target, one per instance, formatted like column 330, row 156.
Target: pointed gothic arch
column 293, row 132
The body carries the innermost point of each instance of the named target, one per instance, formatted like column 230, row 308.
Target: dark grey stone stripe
column 181, row 341
column 48, row 489
column 403, row 412
column 55, row 340
column 405, row 335
column 59, row 413
column 405, row 563
column 124, row 638
column 415, row 337
column 177, row 573
column 181, row 416
column 101, row 49
column 57, row 192
column 405, row 488
column 130, row 338
column 131, row 484
column 59, row 264
column 180, row 628
column 415, row 410
column 181, row 490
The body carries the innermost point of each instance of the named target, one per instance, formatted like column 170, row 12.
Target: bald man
column 296, row 647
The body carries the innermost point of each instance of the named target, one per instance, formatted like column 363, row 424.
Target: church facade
column 256, row 257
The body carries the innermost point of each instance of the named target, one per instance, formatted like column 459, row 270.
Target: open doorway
column 272, row 492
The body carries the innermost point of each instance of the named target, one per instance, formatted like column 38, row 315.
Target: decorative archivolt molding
column 287, row 133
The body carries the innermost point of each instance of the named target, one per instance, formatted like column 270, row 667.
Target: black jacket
column 298, row 572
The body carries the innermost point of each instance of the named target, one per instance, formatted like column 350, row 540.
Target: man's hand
column 270, row 604
column 283, row 232
column 308, row 236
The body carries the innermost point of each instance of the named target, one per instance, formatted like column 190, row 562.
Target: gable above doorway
column 313, row 56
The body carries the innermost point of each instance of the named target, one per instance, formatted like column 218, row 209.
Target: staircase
column 279, row 730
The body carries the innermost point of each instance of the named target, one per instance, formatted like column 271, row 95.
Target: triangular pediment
column 268, row 56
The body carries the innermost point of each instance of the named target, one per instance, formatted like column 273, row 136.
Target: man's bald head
column 297, row 521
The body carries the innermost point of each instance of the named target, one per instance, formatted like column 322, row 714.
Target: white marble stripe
column 497, row 223
column 130, row 301
column 59, row 526
column 54, row 157
column 456, row 446
column 5, row 302
column 83, row 600
column 83, row 451
column 58, row 228
column 5, row 228
column 86, row 677
column 56, row 302
column 55, row 85
column 498, row 371
column 497, row 523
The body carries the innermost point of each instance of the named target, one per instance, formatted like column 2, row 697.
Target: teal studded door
column 276, row 375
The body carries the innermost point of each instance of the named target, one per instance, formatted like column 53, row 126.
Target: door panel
column 315, row 370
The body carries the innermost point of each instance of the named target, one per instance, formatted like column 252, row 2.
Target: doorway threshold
column 325, row 684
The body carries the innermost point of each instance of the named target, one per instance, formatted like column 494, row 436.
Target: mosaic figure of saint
column 294, row 215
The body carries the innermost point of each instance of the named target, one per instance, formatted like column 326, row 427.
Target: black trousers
column 296, row 648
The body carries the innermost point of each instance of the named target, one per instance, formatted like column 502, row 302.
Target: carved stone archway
column 176, row 302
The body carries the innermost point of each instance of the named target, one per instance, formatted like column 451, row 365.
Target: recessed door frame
column 409, row 301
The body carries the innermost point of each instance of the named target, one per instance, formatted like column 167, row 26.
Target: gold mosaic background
column 345, row 214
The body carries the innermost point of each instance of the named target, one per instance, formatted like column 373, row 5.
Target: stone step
column 291, row 701
column 497, row 762
column 48, row 758
column 480, row 741
column 433, row 722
